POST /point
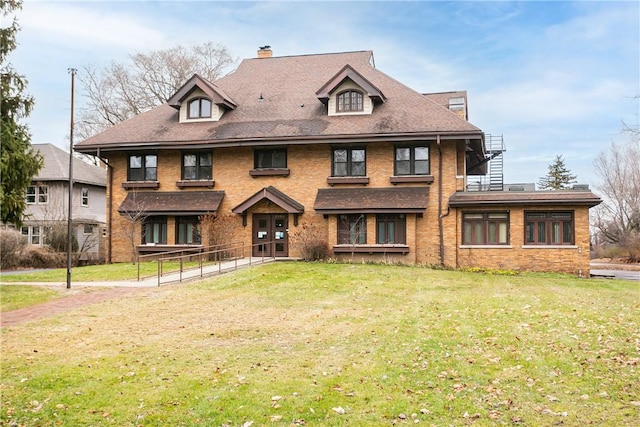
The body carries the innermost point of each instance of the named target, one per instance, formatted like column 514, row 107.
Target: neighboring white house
column 47, row 201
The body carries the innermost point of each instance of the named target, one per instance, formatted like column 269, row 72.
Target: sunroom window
column 485, row 228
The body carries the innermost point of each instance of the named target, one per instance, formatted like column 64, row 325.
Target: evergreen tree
column 558, row 177
column 19, row 161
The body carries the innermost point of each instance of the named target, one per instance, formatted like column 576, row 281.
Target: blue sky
column 552, row 77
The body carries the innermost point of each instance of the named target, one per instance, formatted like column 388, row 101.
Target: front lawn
column 335, row 344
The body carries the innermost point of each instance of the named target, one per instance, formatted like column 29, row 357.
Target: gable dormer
column 200, row 101
column 349, row 93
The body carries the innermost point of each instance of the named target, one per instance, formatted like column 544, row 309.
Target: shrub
column 40, row 257
column 57, row 239
column 12, row 243
column 309, row 242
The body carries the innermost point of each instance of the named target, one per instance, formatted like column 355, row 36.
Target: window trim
column 412, row 160
column 143, row 167
column 30, row 235
column 183, row 221
column 549, row 228
column 349, row 163
column 359, row 101
column 199, row 100
column 485, row 228
column 155, row 219
column 272, row 151
column 198, row 167
column 399, row 229
column 84, row 197
column 350, row 225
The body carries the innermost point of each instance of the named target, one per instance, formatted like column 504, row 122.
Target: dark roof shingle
column 372, row 200
column 276, row 101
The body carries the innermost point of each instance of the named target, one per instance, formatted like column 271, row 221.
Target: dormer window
column 349, row 100
column 199, row 108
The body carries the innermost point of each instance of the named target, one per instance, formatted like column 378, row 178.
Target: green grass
column 333, row 345
column 16, row 296
column 95, row 273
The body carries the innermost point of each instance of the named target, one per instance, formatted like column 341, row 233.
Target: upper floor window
column 352, row 229
column 196, row 165
column 391, row 229
column 199, row 108
column 549, row 228
column 143, row 167
column 187, row 230
column 85, row 196
column 273, row 158
column 350, row 100
column 412, row 160
column 154, row 230
column 349, row 162
column 38, row 194
column 485, row 228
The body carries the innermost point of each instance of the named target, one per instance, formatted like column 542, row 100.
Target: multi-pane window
column 350, row 100
column 412, row 160
column 349, row 162
column 43, row 194
column 352, row 229
column 274, row 158
column 31, row 194
column 87, row 229
column 485, row 228
column 85, row 196
column 33, row 234
column 154, row 230
column 549, row 228
column 188, row 230
column 199, row 108
column 391, row 229
column 196, row 165
column 143, row 167
column 37, row 194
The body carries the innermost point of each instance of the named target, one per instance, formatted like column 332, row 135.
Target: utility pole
column 72, row 71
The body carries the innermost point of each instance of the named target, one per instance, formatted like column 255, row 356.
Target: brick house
column 385, row 172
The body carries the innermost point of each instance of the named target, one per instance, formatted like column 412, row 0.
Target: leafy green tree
column 19, row 161
column 558, row 177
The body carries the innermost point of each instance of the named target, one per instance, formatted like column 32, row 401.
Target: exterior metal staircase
column 494, row 180
column 495, row 148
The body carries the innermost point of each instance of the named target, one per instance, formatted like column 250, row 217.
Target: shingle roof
column 56, row 167
column 274, row 195
column 372, row 200
column 276, row 101
column 172, row 202
column 513, row 198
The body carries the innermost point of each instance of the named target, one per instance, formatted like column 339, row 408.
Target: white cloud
column 92, row 27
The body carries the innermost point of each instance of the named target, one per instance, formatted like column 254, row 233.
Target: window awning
column 273, row 195
column 172, row 202
column 372, row 200
column 524, row 198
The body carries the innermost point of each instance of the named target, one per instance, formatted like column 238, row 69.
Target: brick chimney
column 265, row 52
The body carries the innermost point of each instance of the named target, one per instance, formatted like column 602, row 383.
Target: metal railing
column 190, row 263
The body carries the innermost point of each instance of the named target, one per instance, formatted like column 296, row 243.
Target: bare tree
column 133, row 214
column 617, row 218
column 120, row 91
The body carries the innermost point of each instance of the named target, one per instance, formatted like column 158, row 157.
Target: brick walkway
column 60, row 305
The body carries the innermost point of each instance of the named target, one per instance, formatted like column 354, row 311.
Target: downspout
column 440, row 216
column 109, row 205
